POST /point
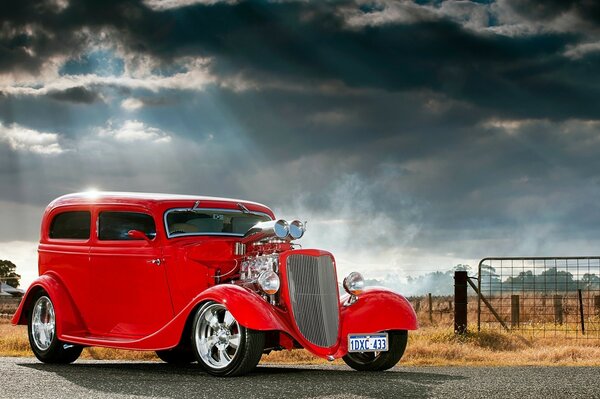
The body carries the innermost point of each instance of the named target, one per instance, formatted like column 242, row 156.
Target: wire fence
column 547, row 297
column 438, row 310
column 8, row 307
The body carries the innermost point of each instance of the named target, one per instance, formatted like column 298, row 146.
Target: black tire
column 380, row 361
column 237, row 361
column 177, row 356
column 48, row 350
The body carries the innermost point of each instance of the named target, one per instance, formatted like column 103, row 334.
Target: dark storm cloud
column 521, row 76
column 76, row 95
column 587, row 10
column 518, row 76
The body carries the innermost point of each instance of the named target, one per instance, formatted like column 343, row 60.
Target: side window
column 72, row 225
column 116, row 225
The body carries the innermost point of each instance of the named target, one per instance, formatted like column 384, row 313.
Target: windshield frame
column 188, row 209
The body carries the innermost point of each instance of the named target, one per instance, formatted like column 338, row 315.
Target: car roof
column 109, row 197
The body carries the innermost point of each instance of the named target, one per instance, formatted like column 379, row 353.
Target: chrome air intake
column 264, row 230
column 313, row 295
column 278, row 229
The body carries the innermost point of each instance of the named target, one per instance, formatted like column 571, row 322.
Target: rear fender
column 377, row 309
column 68, row 319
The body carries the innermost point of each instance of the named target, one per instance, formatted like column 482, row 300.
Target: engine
column 259, row 269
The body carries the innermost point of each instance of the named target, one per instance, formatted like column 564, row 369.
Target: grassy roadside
column 430, row 346
column 14, row 342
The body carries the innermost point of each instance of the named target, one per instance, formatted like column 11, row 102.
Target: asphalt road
column 27, row 378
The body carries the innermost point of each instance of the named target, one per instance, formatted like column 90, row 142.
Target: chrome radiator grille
column 312, row 286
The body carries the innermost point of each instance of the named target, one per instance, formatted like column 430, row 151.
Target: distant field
column 431, row 346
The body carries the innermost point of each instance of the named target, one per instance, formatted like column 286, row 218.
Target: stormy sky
column 412, row 135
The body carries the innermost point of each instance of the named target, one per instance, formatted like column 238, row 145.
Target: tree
column 8, row 274
column 462, row 268
column 591, row 281
column 560, row 280
column 490, row 280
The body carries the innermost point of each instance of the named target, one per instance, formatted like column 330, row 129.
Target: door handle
column 156, row 261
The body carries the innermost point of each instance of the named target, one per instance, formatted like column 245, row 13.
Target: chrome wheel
column 217, row 336
column 43, row 323
column 41, row 330
column 222, row 346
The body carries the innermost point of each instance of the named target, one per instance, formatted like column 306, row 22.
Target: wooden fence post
column 417, row 305
column 430, row 303
column 558, row 309
column 514, row 311
column 581, row 315
column 597, row 305
column 460, row 302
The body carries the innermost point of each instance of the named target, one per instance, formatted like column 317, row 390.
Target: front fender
column 247, row 307
column 67, row 316
column 377, row 309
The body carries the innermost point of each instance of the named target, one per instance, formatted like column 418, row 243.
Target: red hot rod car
column 213, row 280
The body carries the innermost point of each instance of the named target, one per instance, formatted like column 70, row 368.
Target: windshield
column 180, row 222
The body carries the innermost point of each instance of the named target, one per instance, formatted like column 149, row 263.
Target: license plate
column 368, row 342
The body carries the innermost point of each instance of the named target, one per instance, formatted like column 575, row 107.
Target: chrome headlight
column 354, row 283
column 269, row 282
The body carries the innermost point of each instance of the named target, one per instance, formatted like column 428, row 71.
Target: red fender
column 247, row 307
column 377, row 309
column 68, row 319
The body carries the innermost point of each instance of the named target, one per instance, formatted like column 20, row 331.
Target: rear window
column 116, row 225
column 71, row 225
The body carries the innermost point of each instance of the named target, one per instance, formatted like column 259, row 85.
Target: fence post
column 597, row 305
column 460, row 302
column 558, row 309
column 430, row 307
column 514, row 311
column 581, row 311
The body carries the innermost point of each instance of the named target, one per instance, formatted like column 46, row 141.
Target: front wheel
column 43, row 340
column 221, row 345
column 379, row 361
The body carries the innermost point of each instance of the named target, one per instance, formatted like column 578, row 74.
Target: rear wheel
column 221, row 345
column 379, row 361
column 43, row 340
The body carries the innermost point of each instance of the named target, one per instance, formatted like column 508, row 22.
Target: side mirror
column 137, row 235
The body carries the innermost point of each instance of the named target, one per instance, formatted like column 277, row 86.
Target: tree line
column 8, row 273
column 442, row 282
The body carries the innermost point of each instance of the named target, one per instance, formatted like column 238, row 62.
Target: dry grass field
column 430, row 345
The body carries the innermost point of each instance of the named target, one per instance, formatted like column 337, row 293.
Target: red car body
column 140, row 294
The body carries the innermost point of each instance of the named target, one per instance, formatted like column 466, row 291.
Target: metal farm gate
column 540, row 296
